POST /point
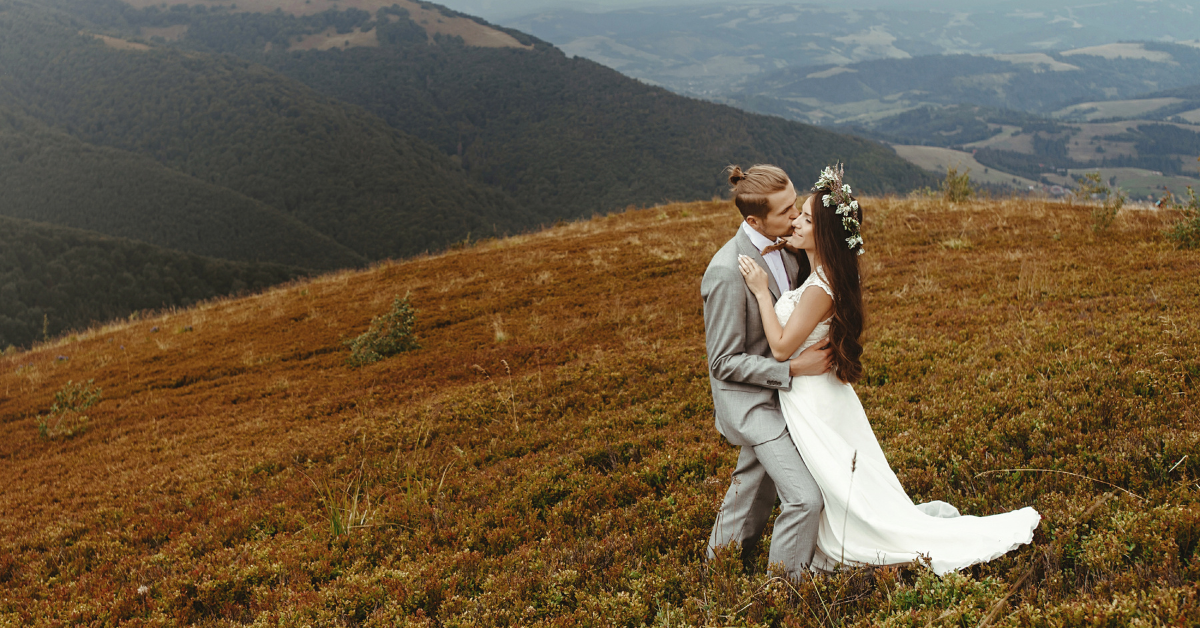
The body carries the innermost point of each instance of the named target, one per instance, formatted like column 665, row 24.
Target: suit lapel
column 746, row 247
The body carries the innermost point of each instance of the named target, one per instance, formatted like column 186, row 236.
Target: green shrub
column 956, row 188
column 1091, row 186
column 66, row 416
column 388, row 335
column 1186, row 232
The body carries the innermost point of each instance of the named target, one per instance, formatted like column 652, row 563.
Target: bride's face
column 802, row 234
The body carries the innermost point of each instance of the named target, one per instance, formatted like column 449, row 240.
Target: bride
column 868, row 518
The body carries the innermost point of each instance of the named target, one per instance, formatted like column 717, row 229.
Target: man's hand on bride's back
column 812, row 361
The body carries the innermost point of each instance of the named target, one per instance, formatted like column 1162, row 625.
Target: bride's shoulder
column 817, row 278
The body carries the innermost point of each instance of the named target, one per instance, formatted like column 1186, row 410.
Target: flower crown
column 839, row 196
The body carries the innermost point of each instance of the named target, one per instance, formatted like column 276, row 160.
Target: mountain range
column 328, row 136
column 711, row 49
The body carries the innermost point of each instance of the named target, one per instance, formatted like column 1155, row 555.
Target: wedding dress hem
column 868, row 517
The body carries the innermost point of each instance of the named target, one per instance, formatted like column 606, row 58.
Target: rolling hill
column 564, row 137
column 55, row 279
column 374, row 190
column 548, row 456
column 53, row 178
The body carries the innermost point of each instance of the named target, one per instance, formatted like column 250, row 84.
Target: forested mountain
column 343, row 172
column 66, row 278
column 54, row 178
column 565, row 137
column 570, row 137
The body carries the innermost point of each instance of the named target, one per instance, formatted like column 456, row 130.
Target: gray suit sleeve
column 724, row 293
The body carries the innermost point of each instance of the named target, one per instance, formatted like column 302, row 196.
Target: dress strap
column 817, row 278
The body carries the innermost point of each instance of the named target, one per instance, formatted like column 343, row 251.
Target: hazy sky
column 498, row 10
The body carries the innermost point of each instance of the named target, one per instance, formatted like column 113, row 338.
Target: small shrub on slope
column 956, row 188
column 388, row 335
column 1103, row 215
column 1186, row 232
column 66, row 416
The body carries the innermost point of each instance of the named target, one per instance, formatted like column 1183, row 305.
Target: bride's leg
column 745, row 509
column 794, row 539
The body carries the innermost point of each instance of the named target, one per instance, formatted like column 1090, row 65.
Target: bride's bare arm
column 814, row 306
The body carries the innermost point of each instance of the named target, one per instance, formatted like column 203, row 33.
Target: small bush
column 66, row 416
column 956, row 188
column 1186, row 232
column 388, row 335
column 1091, row 186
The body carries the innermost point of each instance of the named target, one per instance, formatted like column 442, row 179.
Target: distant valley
column 714, row 49
column 1025, row 95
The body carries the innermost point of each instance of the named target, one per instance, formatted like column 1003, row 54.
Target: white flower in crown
column 840, row 197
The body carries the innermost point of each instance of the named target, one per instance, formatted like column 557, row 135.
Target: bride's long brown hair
column 840, row 264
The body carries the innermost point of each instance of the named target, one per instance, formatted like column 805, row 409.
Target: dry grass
column 568, row 473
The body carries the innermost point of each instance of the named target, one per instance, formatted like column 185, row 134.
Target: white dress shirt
column 774, row 259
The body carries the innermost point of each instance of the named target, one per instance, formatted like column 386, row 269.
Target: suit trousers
column 764, row 471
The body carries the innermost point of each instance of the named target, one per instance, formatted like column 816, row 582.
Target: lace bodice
column 787, row 304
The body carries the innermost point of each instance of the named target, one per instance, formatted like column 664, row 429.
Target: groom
column 745, row 379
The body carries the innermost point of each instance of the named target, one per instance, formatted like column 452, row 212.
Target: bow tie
column 779, row 244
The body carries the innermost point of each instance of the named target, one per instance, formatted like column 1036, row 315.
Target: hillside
column 54, row 178
column 54, row 279
column 374, row 190
column 564, row 137
column 548, row 456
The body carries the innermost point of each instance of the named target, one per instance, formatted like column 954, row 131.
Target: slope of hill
column 565, row 137
column 54, row 178
column 548, row 457
column 54, row 279
column 375, row 190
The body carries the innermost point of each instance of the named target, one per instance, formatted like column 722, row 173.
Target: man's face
column 778, row 221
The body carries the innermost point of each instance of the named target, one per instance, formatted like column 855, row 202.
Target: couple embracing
column 782, row 317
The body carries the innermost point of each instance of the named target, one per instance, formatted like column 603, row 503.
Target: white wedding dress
column 881, row 524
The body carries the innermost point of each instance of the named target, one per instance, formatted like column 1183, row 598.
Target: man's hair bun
column 736, row 175
column 752, row 187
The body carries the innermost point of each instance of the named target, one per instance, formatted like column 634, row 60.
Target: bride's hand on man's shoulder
column 755, row 276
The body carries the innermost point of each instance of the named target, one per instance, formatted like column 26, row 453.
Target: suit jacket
column 744, row 376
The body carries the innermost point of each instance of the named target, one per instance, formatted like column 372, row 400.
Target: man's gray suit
column 745, row 379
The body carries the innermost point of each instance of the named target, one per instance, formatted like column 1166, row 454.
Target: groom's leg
column 794, row 538
column 746, row 507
